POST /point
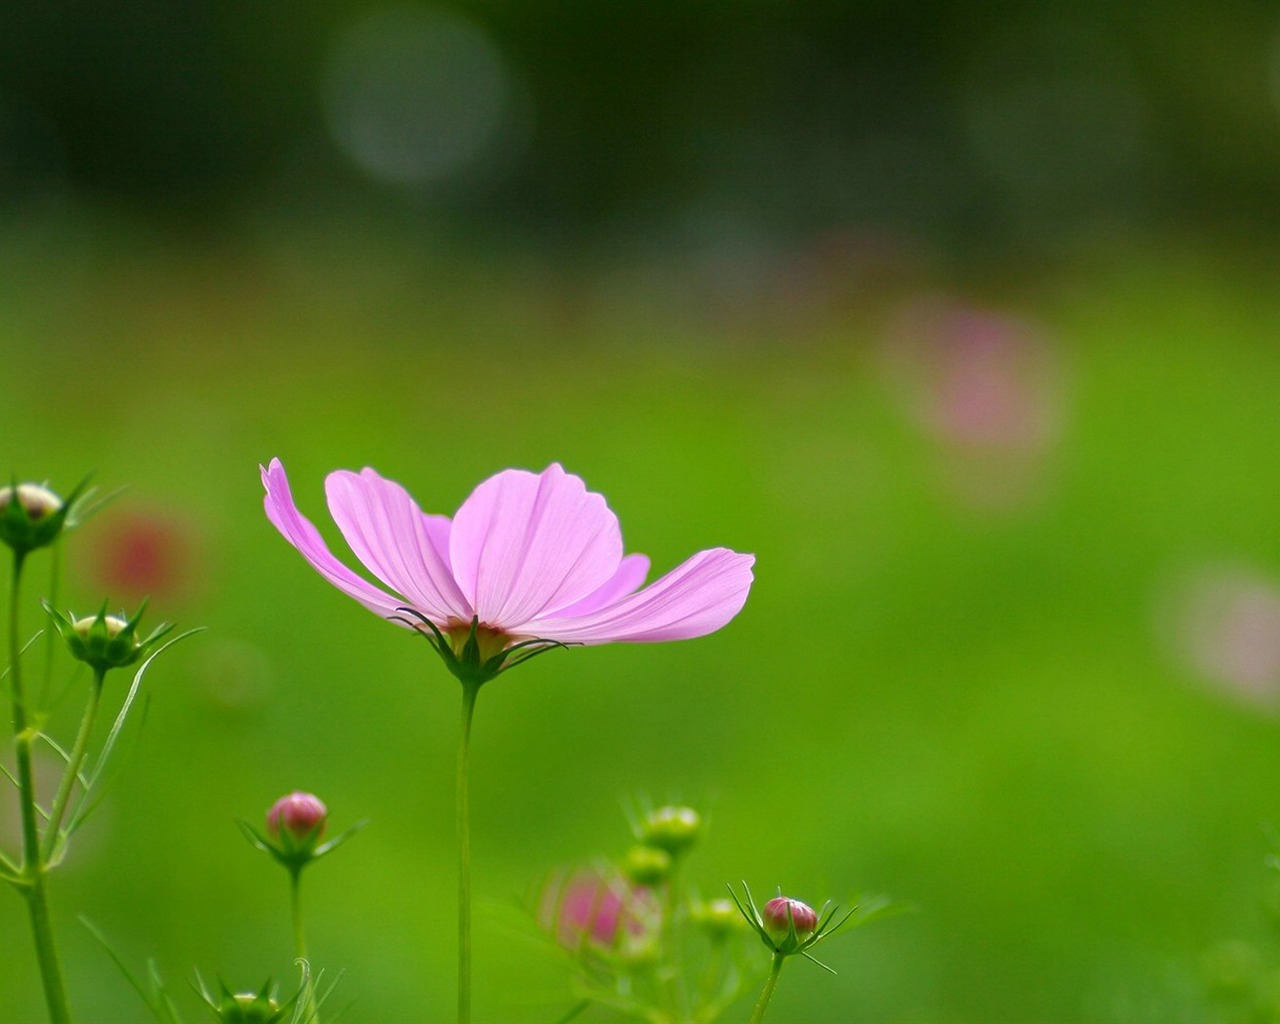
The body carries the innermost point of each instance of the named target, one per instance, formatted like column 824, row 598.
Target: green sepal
column 106, row 642
column 295, row 853
column 26, row 533
column 468, row 665
column 830, row 921
column 261, row 1007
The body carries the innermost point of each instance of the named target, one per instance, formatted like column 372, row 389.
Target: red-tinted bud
column 781, row 913
column 299, row 815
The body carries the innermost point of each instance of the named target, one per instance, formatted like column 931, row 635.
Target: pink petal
column 393, row 539
column 627, row 580
column 523, row 543
column 696, row 598
column 296, row 529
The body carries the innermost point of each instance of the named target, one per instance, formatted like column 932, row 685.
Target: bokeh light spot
column 415, row 95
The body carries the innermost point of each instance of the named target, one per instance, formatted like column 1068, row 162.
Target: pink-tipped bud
column 781, row 912
column 300, row 815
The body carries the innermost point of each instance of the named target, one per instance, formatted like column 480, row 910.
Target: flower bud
column 249, row 1008
column 299, row 816
column 781, row 915
column 718, row 918
column 106, row 641
column 32, row 521
column 599, row 909
column 673, row 829
column 647, row 865
column 107, row 645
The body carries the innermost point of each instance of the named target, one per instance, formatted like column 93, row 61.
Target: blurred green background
column 964, row 321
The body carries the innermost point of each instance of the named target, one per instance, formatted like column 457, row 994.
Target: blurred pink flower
column 300, row 814
column 984, row 379
column 986, row 386
column 1225, row 624
column 527, row 556
column 144, row 553
column 592, row 907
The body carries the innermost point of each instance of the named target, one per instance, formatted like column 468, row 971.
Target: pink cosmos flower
column 598, row 908
column 530, row 559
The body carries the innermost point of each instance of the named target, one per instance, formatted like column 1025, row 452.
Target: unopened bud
column 249, row 1008
column 300, row 816
column 647, row 865
column 781, row 914
column 673, row 829
column 37, row 502
column 718, row 918
column 32, row 521
column 105, row 641
column 98, row 640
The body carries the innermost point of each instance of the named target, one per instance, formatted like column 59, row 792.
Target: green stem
column 33, row 867
column 757, row 1015
column 69, row 777
column 311, row 1010
column 51, row 635
column 463, row 806
column 672, row 989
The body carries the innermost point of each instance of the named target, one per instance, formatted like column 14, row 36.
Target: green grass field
column 976, row 706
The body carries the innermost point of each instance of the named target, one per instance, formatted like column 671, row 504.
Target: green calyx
column 474, row 653
column 792, row 942
column 673, row 829
column 260, row 1007
column 718, row 918
column 32, row 516
column 295, row 851
column 106, row 641
column 647, row 865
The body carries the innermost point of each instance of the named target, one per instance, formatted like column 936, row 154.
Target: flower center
column 490, row 641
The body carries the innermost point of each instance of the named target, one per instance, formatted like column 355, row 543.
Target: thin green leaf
column 23, row 650
column 575, row 1012
column 339, row 839
column 813, row 959
column 94, row 790
column 255, row 838
column 170, row 1008
column 130, row 697
column 155, row 996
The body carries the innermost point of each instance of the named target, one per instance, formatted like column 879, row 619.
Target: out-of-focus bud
column 295, row 826
column 673, row 829
column 718, row 918
column 1231, row 967
column 248, row 1007
column 299, row 816
column 33, row 520
column 106, row 641
column 788, row 922
column 602, row 910
column 647, row 865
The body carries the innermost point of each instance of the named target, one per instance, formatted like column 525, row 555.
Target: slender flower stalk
column 53, row 827
column 311, row 1012
column 766, row 994
column 295, row 825
column 32, row 876
column 463, row 824
column 531, row 562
